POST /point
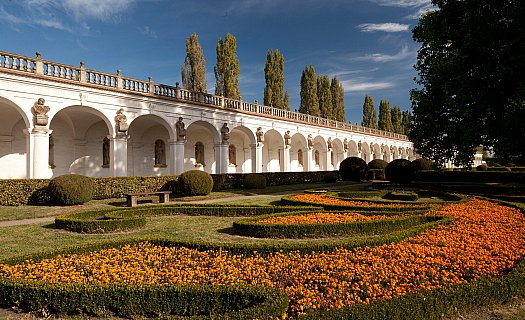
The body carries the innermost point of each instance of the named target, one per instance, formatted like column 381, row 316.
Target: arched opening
column 297, row 145
column 13, row 141
column 273, row 152
column 242, row 139
column 202, row 136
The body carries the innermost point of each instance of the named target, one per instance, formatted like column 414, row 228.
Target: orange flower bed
column 324, row 199
column 484, row 239
column 321, row 218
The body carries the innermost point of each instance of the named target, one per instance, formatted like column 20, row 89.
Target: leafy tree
column 369, row 113
column 406, row 122
column 396, row 115
column 274, row 76
column 309, row 100
column 194, row 67
column 338, row 100
column 385, row 119
column 470, row 78
column 325, row 97
column 286, row 100
column 227, row 69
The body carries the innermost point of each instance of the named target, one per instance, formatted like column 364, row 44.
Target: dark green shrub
column 377, row 164
column 71, row 189
column 353, row 169
column 330, row 177
column 195, row 183
column 255, row 181
column 423, row 164
column 482, row 167
column 399, row 170
column 400, row 195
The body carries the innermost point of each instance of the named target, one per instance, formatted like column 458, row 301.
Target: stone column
column 221, row 152
column 309, row 163
column 286, row 159
column 177, row 156
column 38, row 164
column 257, row 158
column 329, row 165
column 118, row 155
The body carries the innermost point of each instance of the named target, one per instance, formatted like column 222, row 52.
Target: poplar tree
column 325, row 97
column 385, row 119
column 395, row 113
column 338, row 100
column 406, row 122
column 369, row 113
column 227, row 69
column 274, row 76
column 194, row 67
column 309, row 100
column 286, row 100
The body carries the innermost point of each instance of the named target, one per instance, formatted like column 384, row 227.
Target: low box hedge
column 104, row 221
column 252, row 227
column 205, row 302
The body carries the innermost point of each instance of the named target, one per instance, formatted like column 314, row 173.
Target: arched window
column 160, row 153
column 232, row 155
column 105, row 153
column 300, row 157
column 199, row 153
column 316, row 157
column 332, row 158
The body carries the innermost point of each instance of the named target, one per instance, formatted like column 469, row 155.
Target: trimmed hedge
column 71, row 189
column 471, row 176
column 103, row 221
column 255, row 181
column 400, row 171
column 206, row 302
column 252, row 228
column 287, row 200
column 400, row 195
column 195, row 183
column 353, row 169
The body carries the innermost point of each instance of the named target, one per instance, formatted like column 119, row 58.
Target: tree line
column 390, row 119
column 320, row 96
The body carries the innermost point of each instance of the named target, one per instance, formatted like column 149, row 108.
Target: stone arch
column 352, row 149
column 243, row 139
column 337, row 153
column 13, row 149
column 365, row 152
column 375, row 150
column 386, row 153
column 144, row 132
column 394, row 152
column 273, row 158
column 321, row 147
column 298, row 147
column 209, row 136
column 78, row 139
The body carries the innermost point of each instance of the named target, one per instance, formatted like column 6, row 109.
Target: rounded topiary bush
column 195, row 183
column 330, row 177
column 422, row 164
column 377, row 164
column 399, row 170
column 482, row 167
column 71, row 189
column 255, row 181
column 353, row 168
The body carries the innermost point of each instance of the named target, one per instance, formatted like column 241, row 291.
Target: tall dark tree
column 194, row 67
column 385, row 119
column 227, row 69
column 274, row 76
column 309, row 100
column 397, row 116
column 470, row 77
column 406, row 122
column 286, row 100
column 325, row 97
column 338, row 100
column 369, row 113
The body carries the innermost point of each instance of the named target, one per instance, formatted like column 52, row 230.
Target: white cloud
column 148, row 32
column 385, row 27
column 96, row 9
column 365, row 86
column 404, row 53
column 402, row 3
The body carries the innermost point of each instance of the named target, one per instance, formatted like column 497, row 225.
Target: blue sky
column 367, row 44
